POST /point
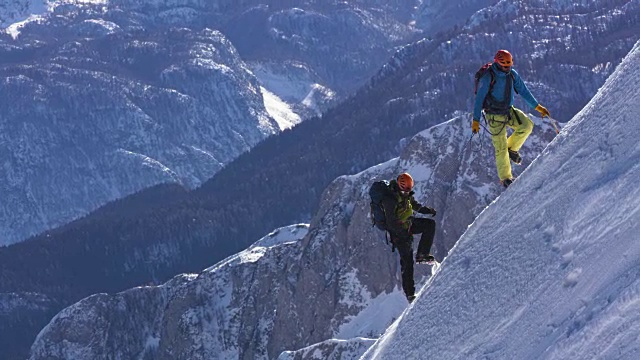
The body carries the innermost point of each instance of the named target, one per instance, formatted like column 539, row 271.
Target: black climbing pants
column 403, row 241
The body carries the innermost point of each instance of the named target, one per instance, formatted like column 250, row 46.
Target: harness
column 508, row 121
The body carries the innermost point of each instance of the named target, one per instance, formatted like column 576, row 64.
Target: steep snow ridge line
column 304, row 286
column 539, row 274
column 448, row 217
column 330, row 349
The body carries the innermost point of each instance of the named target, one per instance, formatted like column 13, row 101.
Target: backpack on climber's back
column 490, row 102
column 480, row 73
column 377, row 192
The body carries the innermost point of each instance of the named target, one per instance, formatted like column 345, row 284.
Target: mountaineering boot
column 422, row 259
column 506, row 182
column 515, row 157
column 410, row 298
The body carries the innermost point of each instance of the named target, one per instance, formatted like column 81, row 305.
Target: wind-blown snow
column 551, row 269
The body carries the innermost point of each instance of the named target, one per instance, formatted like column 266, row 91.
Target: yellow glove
column 475, row 126
column 543, row 111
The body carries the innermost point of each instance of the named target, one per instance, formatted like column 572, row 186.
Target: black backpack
column 377, row 192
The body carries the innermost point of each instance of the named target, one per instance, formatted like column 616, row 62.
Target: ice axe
column 555, row 124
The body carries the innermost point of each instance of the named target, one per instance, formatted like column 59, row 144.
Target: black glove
column 427, row 211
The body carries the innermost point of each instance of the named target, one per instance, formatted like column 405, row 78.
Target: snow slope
column 551, row 269
column 279, row 110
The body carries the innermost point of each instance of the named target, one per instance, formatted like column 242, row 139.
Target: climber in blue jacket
column 495, row 95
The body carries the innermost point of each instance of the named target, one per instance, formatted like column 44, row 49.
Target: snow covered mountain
column 333, row 290
column 551, row 269
column 326, row 49
column 536, row 295
column 14, row 11
column 106, row 108
column 421, row 87
column 116, row 96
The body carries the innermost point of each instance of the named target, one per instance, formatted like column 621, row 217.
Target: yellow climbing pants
column 522, row 127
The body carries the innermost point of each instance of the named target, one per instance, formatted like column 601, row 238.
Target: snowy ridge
column 330, row 349
column 14, row 11
column 550, row 269
column 283, row 235
column 324, row 308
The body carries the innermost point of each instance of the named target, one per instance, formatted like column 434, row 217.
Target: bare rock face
column 293, row 289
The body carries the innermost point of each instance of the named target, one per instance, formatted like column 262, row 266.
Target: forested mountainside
column 98, row 108
column 113, row 97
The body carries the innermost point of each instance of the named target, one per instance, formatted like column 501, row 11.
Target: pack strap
column 517, row 117
column 491, row 103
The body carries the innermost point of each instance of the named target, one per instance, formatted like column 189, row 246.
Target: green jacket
column 398, row 208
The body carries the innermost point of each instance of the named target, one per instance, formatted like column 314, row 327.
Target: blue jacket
column 498, row 90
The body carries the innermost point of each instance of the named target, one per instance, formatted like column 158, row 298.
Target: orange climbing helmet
column 503, row 58
column 405, row 182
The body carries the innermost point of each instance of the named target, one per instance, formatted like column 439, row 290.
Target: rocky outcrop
column 286, row 295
